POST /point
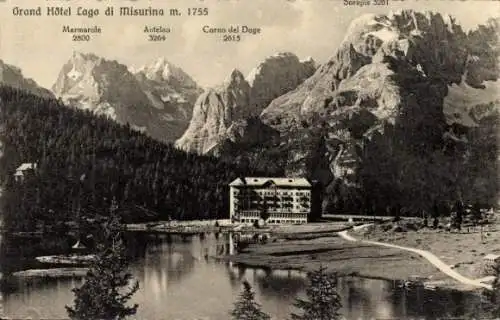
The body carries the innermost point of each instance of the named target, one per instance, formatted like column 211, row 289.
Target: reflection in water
column 179, row 280
column 285, row 283
column 355, row 295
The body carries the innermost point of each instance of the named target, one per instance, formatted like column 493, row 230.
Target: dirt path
column 438, row 263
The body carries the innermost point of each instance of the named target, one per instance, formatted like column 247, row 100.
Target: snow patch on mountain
column 162, row 70
column 74, row 74
column 385, row 35
column 396, row 81
column 158, row 98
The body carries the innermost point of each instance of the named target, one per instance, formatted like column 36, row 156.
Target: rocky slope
column 402, row 109
column 13, row 77
column 171, row 90
column 220, row 114
column 157, row 99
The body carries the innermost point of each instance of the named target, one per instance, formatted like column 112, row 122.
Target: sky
column 312, row 28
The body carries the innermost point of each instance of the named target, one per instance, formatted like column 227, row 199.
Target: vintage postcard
column 249, row 159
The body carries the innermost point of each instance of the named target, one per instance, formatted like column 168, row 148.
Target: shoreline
column 52, row 273
column 191, row 227
column 306, row 247
column 428, row 284
column 348, row 259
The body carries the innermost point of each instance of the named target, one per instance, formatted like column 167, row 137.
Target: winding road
column 438, row 263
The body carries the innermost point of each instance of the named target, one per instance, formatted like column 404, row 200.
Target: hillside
column 86, row 160
column 12, row 76
column 404, row 114
column 228, row 113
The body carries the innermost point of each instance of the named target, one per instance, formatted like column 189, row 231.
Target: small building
column 490, row 262
column 23, row 170
column 492, row 258
column 276, row 200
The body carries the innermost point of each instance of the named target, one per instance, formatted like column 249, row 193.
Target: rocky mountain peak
column 425, row 40
column 157, row 100
column 235, row 78
column 309, row 62
column 161, row 70
column 411, row 35
column 397, row 86
column 79, row 55
column 241, row 98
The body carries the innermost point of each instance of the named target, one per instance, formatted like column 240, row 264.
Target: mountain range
column 405, row 112
column 222, row 114
column 157, row 98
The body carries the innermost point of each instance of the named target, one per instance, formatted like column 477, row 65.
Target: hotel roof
column 24, row 167
column 260, row 181
column 492, row 257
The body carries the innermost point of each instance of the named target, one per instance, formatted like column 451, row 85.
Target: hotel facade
column 276, row 200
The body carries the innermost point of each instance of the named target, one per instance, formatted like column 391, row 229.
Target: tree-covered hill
column 85, row 161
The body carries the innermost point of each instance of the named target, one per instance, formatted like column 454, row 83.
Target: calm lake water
column 178, row 280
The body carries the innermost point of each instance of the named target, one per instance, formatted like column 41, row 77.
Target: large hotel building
column 280, row 200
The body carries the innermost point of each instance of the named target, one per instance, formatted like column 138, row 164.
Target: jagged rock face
column 284, row 112
column 13, row 77
column 218, row 111
column 161, row 70
column 145, row 100
column 391, row 92
column 276, row 76
column 214, row 112
column 104, row 87
column 169, row 89
column 244, row 134
column 408, row 36
column 469, row 101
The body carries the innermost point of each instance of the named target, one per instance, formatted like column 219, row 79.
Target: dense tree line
column 85, row 161
column 411, row 170
column 462, row 167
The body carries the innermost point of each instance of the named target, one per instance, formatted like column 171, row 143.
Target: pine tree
column 246, row 308
column 323, row 301
column 476, row 213
column 107, row 289
column 494, row 295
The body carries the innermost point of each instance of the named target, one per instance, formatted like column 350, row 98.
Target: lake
column 179, row 280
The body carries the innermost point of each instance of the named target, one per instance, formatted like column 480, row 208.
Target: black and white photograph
column 249, row 159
